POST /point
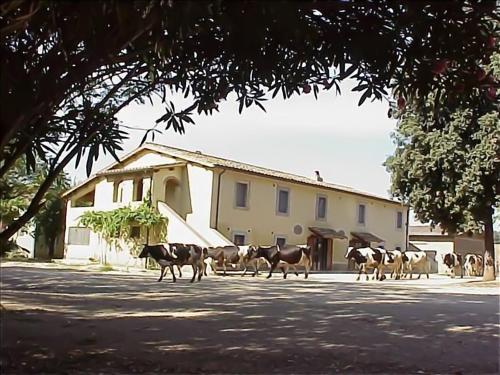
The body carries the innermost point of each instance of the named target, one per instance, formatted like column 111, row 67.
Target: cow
column 222, row 256
column 415, row 261
column 286, row 257
column 473, row 265
column 394, row 262
column 247, row 257
column 454, row 262
column 367, row 257
column 175, row 254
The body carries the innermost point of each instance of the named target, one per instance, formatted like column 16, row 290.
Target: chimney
column 318, row 177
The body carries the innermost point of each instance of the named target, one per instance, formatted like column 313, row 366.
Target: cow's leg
column 307, row 267
column 272, row 268
column 200, row 269
column 245, row 268
column 284, row 269
column 195, row 268
column 162, row 273
column 171, row 267
column 180, row 270
column 359, row 273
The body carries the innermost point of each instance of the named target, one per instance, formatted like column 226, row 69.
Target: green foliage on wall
column 115, row 226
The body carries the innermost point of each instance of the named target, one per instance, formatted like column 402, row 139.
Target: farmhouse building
column 214, row 201
column 437, row 242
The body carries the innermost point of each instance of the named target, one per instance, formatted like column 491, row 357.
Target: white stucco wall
column 441, row 248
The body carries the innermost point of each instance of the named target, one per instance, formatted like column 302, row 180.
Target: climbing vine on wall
column 115, row 226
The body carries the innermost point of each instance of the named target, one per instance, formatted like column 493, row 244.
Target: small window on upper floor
column 282, row 201
column 138, row 189
column 321, row 207
column 86, row 200
column 399, row 220
column 280, row 241
column 116, row 190
column 361, row 214
column 239, row 239
column 241, row 195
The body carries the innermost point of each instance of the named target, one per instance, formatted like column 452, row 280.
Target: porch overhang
column 366, row 237
column 143, row 171
column 328, row 233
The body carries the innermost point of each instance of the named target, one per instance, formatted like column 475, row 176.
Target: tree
column 447, row 162
column 17, row 188
column 69, row 68
column 49, row 220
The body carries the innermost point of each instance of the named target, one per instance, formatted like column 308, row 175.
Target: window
column 242, row 195
column 239, row 239
column 283, row 197
column 280, row 241
column 138, row 189
column 116, row 186
column 361, row 214
column 78, row 236
column 135, row 232
column 84, row 201
column 399, row 220
column 320, row 208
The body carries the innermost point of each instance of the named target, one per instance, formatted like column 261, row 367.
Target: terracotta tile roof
column 213, row 161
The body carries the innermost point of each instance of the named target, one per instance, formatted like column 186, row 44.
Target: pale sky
column 346, row 143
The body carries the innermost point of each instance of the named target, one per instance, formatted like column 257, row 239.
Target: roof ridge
column 345, row 188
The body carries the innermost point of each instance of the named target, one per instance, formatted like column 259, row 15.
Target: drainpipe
column 150, row 198
column 407, row 228
column 218, row 198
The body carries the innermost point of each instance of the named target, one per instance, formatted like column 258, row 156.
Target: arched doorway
column 172, row 193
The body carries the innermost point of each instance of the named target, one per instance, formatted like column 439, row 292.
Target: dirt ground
column 65, row 320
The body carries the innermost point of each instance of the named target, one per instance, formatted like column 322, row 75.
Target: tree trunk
column 489, row 246
column 52, row 244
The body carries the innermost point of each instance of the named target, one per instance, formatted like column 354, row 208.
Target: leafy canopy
column 447, row 159
column 75, row 65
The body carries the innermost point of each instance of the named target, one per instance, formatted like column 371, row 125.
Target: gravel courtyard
column 65, row 320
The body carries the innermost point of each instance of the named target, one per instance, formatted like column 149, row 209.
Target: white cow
column 473, row 265
column 415, row 261
column 394, row 262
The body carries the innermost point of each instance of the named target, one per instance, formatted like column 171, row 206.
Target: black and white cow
column 394, row 263
column 175, row 254
column 454, row 263
column 286, row 257
column 415, row 261
column 473, row 265
column 367, row 257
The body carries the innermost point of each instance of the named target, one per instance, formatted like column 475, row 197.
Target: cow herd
column 399, row 264
column 176, row 254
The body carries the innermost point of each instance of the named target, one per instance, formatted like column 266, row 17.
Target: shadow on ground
column 61, row 320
